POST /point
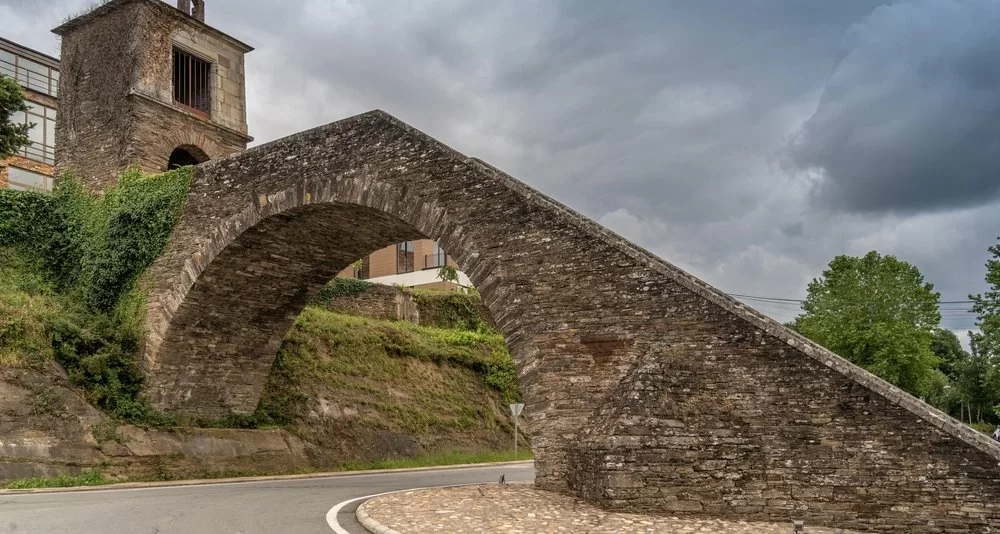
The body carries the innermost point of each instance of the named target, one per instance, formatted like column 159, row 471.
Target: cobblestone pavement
column 521, row 509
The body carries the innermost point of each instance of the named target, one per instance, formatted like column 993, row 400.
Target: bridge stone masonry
column 649, row 390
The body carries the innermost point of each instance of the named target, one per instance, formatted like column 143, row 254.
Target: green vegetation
column 877, row 312
column 27, row 306
column 448, row 273
column 340, row 288
column 13, row 137
column 70, row 262
column 987, row 308
column 90, row 478
column 367, row 355
column 449, row 309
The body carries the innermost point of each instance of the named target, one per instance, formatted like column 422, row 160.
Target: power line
column 800, row 301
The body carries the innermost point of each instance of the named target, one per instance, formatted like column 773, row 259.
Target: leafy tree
column 977, row 379
column 948, row 348
column 877, row 312
column 13, row 137
column 987, row 308
column 941, row 392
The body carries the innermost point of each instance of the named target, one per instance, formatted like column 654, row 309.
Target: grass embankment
column 27, row 307
column 372, row 389
column 425, row 372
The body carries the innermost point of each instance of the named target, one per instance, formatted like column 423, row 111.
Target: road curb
column 370, row 524
column 235, row 480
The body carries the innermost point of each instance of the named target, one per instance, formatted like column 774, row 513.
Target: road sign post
column 515, row 410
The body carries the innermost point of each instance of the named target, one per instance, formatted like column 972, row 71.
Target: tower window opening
column 192, row 82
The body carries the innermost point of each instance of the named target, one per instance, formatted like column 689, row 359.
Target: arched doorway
column 185, row 155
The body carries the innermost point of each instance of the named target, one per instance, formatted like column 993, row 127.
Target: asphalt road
column 276, row 506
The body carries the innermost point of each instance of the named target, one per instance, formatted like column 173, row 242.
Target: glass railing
column 43, row 83
column 433, row 261
column 40, row 153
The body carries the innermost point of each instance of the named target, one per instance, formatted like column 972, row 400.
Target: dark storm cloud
column 601, row 104
column 668, row 121
column 910, row 118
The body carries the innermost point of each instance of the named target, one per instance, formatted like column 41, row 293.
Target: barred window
column 192, row 82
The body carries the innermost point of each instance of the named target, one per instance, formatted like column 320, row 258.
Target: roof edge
column 113, row 5
column 32, row 54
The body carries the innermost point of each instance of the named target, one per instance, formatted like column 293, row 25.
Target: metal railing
column 39, row 152
column 43, row 83
column 192, row 82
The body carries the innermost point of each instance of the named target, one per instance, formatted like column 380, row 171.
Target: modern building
column 410, row 263
column 38, row 75
column 147, row 83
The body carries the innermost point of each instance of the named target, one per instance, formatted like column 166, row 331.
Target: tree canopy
column 987, row 308
column 877, row 312
column 948, row 348
column 13, row 137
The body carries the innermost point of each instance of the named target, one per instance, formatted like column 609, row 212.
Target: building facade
column 145, row 83
column 38, row 75
column 410, row 263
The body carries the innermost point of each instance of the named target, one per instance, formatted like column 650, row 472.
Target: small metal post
column 515, row 410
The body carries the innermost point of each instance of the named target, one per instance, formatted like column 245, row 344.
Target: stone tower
column 149, row 84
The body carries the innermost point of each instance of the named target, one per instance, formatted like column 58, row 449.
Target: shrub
column 94, row 248
column 448, row 309
column 340, row 288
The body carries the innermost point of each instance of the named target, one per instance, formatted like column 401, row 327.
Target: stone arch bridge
column 649, row 390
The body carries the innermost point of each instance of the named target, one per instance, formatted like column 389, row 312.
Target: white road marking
column 331, row 514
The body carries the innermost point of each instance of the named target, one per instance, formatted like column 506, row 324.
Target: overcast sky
column 748, row 142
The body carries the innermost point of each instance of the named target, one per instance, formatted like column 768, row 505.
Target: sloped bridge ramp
column 648, row 390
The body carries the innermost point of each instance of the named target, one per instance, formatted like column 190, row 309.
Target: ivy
column 96, row 244
column 129, row 228
column 448, row 309
column 340, row 288
column 94, row 248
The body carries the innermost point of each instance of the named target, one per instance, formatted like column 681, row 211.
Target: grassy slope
column 27, row 305
column 362, row 389
column 362, row 392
